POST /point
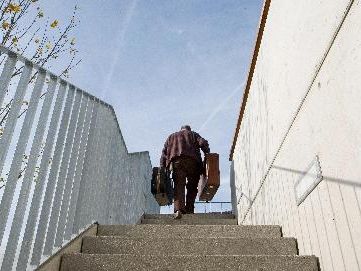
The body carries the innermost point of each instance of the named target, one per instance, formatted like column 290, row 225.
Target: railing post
column 70, row 174
column 6, row 75
column 79, row 218
column 14, row 173
column 54, row 216
column 78, row 170
column 109, row 162
column 13, row 115
column 29, row 172
column 99, row 183
column 39, row 187
column 50, row 181
column 109, row 173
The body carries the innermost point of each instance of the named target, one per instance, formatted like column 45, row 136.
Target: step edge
column 192, row 256
column 187, row 238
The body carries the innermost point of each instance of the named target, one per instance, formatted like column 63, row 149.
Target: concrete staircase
column 195, row 242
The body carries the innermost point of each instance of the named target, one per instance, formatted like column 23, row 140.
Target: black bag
column 162, row 186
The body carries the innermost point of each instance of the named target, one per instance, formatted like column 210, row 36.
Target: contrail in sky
column 120, row 40
column 221, row 105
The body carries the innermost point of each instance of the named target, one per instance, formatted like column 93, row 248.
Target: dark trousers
column 186, row 174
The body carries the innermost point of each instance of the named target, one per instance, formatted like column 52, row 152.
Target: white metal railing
column 223, row 207
column 64, row 164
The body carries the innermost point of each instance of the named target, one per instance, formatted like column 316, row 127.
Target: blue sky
column 162, row 64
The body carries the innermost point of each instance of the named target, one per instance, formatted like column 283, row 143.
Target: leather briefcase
column 210, row 179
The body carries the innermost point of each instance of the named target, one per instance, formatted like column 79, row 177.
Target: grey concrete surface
column 53, row 263
column 191, row 231
column 107, row 262
column 189, row 246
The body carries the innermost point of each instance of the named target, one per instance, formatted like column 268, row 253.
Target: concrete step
column 189, row 221
column 115, row 262
column 191, row 231
column 192, row 216
column 190, row 246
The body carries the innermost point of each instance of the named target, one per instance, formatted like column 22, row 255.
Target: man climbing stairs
column 195, row 242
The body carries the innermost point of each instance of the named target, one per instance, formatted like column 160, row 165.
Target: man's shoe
column 178, row 215
column 189, row 211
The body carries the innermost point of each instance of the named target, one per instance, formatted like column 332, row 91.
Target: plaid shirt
column 183, row 143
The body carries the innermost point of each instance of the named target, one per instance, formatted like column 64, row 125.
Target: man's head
column 186, row 127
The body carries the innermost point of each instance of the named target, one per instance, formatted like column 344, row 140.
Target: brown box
column 208, row 184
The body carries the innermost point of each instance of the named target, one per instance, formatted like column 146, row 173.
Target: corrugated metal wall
column 305, row 101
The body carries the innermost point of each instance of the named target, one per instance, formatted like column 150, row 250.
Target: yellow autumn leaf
column 5, row 25
column 54, row 24
column 14, row 8
column 14, row 40
column 48, row 45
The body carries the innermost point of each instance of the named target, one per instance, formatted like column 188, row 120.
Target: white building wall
column 305, row 100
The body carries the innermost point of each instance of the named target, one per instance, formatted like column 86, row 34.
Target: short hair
column 186, row 127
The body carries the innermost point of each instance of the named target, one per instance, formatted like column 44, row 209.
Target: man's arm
column 203, row 144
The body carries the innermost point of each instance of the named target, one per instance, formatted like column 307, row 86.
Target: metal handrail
column 210, row 203
column 77, row 157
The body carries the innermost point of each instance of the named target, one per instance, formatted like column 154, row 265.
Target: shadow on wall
column 331, row 179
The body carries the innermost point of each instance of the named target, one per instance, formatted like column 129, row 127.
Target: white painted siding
column 305, row 100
